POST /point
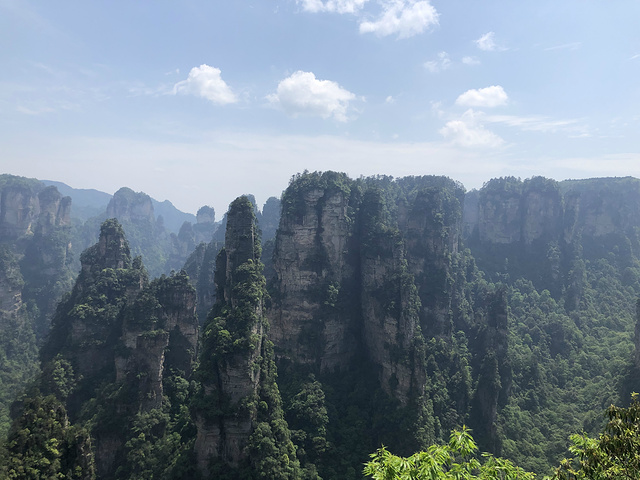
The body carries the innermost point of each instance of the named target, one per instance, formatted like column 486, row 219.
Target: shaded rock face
column 494, row 370
column 200, row 266
column 355, row 280
column 35, row 229
column 232, row 378
column 206, row 214
column 432, row 234
column 510, row 211
column 390, row 305
column 310, row 258
column 86, row 326
column 159, row 331
column 542, row 229
column 269, row 218
column 129, row 206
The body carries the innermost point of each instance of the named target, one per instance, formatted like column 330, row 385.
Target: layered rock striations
column 389, row 302
column 313, row 264
column 239, row 408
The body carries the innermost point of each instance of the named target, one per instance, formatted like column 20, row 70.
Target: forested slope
column 390, row 311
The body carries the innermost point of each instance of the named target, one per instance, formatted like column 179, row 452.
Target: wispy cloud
column 443, row 62
column 205, row 81
column 333, row 6
column 539, row 123
column 487, row 43
column 493, row 96
column 303, row 94
column 565, row 46
column 470, row 61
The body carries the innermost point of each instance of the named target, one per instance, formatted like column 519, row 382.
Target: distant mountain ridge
column 88, row 202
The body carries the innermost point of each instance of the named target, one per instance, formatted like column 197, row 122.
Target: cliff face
column 511, row 211
column 230, row 376
column 541, row 228
column 237, row 370
column 26, row 204
column 389, row 302
column 87, row 325
column 364, row 273
column 159, row 331
column 311, row 265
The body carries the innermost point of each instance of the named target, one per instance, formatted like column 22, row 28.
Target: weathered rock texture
column 311, row 261
column 388, row 245
column 240, row 406
column 232, row 378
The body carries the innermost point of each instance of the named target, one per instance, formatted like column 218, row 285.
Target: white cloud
column 493, row 96
column 303, row 94
column 442, row 63
column 487, row 42
column 469, row 132
column 333, row 6
column 205, row 81
column 470, row 61
column 403, row 17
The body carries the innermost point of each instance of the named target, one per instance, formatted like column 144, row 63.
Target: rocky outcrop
column 231, row 377
column 87, row 324
column 129, row 206
column 432, row 229
column 311, row 264
column 511, row 211
column 119, row 337
column 240, row 407
column 159, row 331
column 200, row 266
column 269, row 218
column 27, row 205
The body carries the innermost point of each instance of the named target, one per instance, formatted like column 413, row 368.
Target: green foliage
column 614, row 454
column 42, row 445
column 453, row 461
column 293, row 199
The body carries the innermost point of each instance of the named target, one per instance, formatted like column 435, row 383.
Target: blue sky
column 198, row 102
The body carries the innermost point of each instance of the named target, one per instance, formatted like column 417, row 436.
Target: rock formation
column 240, row 405
column 117, row 337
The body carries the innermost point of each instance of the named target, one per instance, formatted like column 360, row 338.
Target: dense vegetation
column 511, row 310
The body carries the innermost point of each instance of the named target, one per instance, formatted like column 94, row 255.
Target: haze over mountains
column 291, row 341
